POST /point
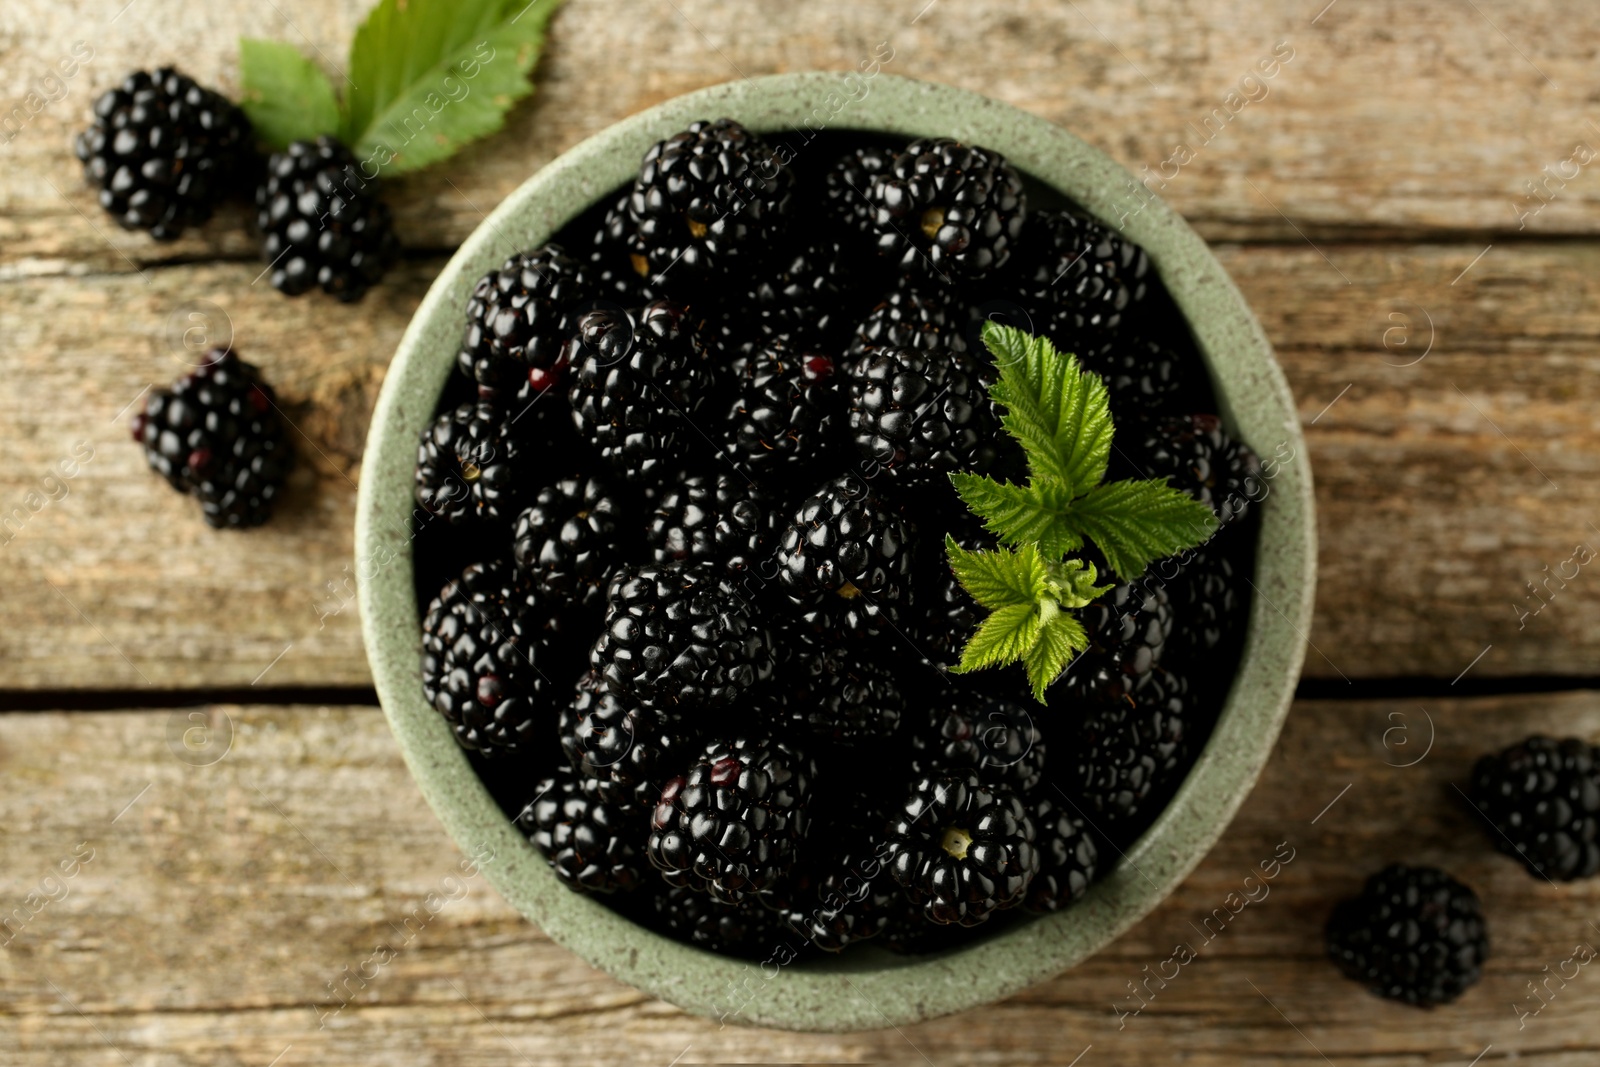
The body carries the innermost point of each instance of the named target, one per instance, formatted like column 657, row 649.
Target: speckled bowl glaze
column 866, row 987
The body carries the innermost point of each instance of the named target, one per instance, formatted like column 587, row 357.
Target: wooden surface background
column 1437, row 321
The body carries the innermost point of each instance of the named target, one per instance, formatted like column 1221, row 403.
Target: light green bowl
column 865, row 988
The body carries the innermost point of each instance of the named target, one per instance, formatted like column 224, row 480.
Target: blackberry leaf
column 1060, row 413
column 1137, row 522
column 427, row 76
column 287, row 97
column 1030, row 602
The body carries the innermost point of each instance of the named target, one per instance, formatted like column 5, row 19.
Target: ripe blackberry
column 493, row 658
column 592, row 845
column 680, row 638
column 1207, row 597
column 943, row 614
column 323, row 222
column 926, row 320
column 787, row 414
column 919, row 416
column 162, row 151
column 705, row 200
column 842, row 893
column 570, row 539
column 1542, row 796
column 1414, row 934
column 1196, row 455
column 471, row 465
column 216, row 435
column 1128, row 629
column 638, row 380
column 612, row 265
column 948, row 210
column 962, row 730
column 746, row 929
column 962, row 849
column 519, row 318
column 1079, row 281
column 1126, row 757
column 731, row 824
column 1146, row 377
column 721, row 519
column 832, row 691
column 846, row 558
column 847, row 187
column 1068, row 858
column 627, row 748
column 797, row 300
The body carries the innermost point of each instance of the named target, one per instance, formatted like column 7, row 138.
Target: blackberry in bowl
column 752, row 739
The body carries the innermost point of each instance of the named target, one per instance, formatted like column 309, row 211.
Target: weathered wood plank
column 1388, row 117
column 1434, row 509
column 223, row 898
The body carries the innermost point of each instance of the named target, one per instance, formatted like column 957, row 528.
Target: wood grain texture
column 1445, row 483
column 1390, row 117
column 222, row 900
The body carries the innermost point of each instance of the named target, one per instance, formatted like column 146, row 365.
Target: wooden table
column 1436, row 317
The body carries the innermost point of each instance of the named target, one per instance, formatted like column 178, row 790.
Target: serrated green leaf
column 287, row 97
column 1060, row 639
column 1017, row 514
column 1059, row 413
column 427, row 76
column 1004, row 636
column 998, row 578
column 1136, row 522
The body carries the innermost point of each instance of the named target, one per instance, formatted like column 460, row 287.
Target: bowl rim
column 866, row 988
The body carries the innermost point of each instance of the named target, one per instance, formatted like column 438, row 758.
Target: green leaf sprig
column 424, row 78
column 1061, row 416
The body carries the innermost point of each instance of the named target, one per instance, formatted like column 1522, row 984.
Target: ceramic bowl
column 866, row 987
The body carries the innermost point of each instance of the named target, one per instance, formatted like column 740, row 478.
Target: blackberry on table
column 494, row 656
column 732, row 823
column 162, row 151
column 629, row 749
column 519, row 318
column 680, row 637
column 834, row 692
column 1125, row 757
column 1542, row 796
column 323, row 222
column 217, row 436
column 471, row 465
column 948, row 210
column 962, row 730
column 1079, row 280
column 1068, row 857
column 705, row 200
column 845, row 558
column 570, row 539
column 1414, row 934
column 962, row 849
column 787, row 413
column 1194, row 454
column 926, row 319
column 592, row 845
column 721, row 519
column 921, row 416
column 638, row 381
